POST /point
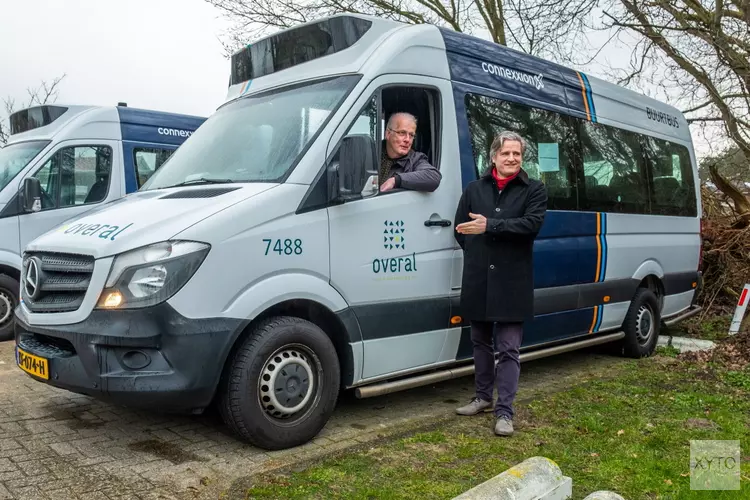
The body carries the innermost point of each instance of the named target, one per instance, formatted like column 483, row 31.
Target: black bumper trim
column 94, row 357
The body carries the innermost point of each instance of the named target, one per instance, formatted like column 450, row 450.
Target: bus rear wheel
column 9, row 289
column 281, row 384
column 641, row 325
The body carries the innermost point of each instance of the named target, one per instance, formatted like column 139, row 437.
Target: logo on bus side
column 394, row 241
column 103, row 231
column 662, row 117
column 174, row 132
column 536, row 81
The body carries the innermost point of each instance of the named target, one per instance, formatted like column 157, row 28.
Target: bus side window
column 549, row 136
column 149, row 160
column 96, row 192
column 672, row 181
column 614, row 170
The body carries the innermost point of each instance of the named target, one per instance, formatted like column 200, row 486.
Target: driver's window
column 358, row 177
column 75, row 176
column 49, row 178
column 85, row 172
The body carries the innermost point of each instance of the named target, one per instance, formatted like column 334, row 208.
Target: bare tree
column 547, row 28
column 43, row 94
column 697, row 52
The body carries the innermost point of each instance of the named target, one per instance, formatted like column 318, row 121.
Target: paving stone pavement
column 59, row 445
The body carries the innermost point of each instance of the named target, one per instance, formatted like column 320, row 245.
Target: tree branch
column 699, row 75
column 705, row 119
column 723, row 98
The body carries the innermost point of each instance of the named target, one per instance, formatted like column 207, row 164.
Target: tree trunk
column 741, row 202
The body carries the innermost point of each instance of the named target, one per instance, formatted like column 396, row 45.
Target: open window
column 423, row 103
column 356, row 163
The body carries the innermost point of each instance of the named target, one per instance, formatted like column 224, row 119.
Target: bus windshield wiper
column 202, row 180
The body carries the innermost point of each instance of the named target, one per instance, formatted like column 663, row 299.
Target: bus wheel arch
column 297, row 348
column 656, row 285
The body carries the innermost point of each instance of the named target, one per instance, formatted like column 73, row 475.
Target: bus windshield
column 15, row 157
column 256, row 138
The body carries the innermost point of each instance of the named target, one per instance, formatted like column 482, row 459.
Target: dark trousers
column 507, row 339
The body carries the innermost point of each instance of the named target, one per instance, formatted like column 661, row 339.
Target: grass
column 710, row 328
column 630, row 434
column 668, row 351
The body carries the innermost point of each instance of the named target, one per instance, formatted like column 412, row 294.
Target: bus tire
column 281, row 384
column 9, row 289
column 641, row 325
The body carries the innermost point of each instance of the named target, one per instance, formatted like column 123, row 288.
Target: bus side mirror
column 357, row 162
column 32, row 195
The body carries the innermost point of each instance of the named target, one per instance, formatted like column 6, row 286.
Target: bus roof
column 331, row 45
column 350, row 43
column 70, row 121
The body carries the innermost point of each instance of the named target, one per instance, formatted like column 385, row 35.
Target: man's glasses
column 403, row 133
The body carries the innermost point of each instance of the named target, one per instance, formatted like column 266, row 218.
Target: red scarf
column 501, row 183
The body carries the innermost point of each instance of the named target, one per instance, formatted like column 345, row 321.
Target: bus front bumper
column 152, row 358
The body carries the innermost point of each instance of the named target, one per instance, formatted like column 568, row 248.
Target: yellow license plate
column 39, row 367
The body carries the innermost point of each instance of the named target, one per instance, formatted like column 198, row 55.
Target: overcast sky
column 155, row 54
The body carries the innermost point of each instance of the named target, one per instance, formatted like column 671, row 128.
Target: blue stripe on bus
column 599, row 319
column 603, row 242
column 584, row 95
column 594, row 319
column 590, row 97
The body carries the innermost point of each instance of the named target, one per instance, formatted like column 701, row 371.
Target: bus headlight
column 150, row 275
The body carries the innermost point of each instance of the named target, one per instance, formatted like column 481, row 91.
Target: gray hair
column 401, row 114
column 505, row 135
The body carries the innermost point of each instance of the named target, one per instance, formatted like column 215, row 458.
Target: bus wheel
column 9, row 289
column 641, row 325
column 281, row 384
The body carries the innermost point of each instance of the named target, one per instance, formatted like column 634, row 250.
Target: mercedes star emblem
column 32, row 279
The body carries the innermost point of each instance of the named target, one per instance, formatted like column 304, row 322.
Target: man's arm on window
column 424, row 177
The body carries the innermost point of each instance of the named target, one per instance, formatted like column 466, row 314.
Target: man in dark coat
column 497, row 221
column 401, row 166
